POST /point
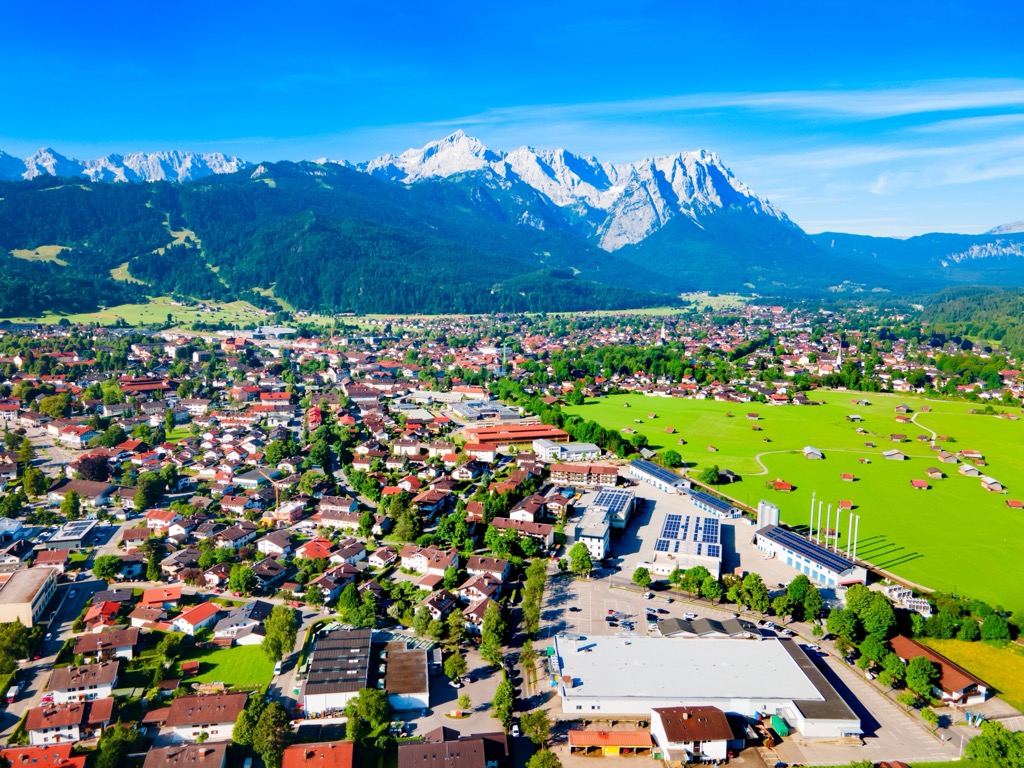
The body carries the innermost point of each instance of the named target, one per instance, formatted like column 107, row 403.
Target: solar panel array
column 690, row 534
column 613, row 500
column 660, row 473
column 808, row 549
column 711, row 501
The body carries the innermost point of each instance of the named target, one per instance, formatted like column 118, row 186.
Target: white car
column 515, row 729
column 689, row 616
column 277, row 668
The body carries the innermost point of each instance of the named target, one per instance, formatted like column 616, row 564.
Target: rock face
column 616, row 204
column 135, row 166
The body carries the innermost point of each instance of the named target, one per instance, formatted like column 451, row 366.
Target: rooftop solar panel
column 660, row 473
column 810, row 550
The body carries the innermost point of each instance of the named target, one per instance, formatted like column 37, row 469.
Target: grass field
column 242, row 666
column 1002, row 668
column 42, row 253
column 954, row 536
column 155, row 312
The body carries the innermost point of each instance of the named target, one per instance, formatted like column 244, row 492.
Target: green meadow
column 954, row 536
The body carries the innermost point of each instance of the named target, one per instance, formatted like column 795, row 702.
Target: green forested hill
column 323, row 237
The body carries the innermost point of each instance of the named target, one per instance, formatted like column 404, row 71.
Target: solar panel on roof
column 811, row 551
column 661, row 546
column 714, row 550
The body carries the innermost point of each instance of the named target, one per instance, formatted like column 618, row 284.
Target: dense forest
column 987, row 314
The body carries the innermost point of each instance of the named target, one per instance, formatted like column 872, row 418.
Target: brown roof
column 954, row 678
column 78, row 713
column 325, row 754
column 464, row 753
column 206, row 710
column 187, row 756
column 64, row 678
column 98, row 641
column 610, row 739
column 684, row 724
column 406, row 669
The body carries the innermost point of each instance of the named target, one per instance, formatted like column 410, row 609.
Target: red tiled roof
column 327, row 754
column 610, row 739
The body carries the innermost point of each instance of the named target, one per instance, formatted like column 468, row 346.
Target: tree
column 895, row 668
column 115, row 435
column 878, row 617
column 244, row 727
column 271, row 734
column 842, row 623
column 929, row 716
column 456, row 628
column 169, row 647
column 873, row 649
column 153, row 572
column 708, row 475
column 994, row 627
column 544, row 759
column 711, row 589
column 464, row 702
column 35, row 482
column 995, row 745
column 969, row 631
column 242, row 579
column 579, row 559
column 71, row 505
column 281, row 628
column 813, row 603
column 106, row 567
column 783, row 606
column 642, row 577
column 315, row 595
column 26, row 455
column 455, row 666
column 756, row 593
column 148, row 490
column 504, row 701
column 671, row 458
column 367, row 711
column 536, row 726
column 922, row 675
column 421, row 621
column 115, row 744
column 95, row 468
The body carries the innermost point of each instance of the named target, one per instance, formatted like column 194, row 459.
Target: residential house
column 195, row 618
column 244, row 625
column 187, row 756
column 84, row 683
column 269, row 573
column 237, row 536
column 956, row 685
column 429, row 560
column 692, row 734
column 474, row 615
column 324, row 754
column 68, row 723
column 439, row 604
column 382, row 557
column 495, row 568
column 103, row 646
column 161, row 597
column 276, row 544
column 214, row 715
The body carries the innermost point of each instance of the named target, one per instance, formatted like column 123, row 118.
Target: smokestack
column 849, row 534
column 856, row 537
column 817, row 533
column 828, row 524
column 810, row 530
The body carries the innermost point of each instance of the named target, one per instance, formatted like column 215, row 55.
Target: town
column 322, row 545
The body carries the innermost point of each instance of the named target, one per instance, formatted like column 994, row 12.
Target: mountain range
column 463, row 227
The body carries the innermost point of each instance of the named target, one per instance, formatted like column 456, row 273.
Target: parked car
column 515, row 729
column 277, row 668
column 454, row 683
column 689, row 616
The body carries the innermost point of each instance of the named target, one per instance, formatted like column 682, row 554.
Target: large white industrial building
column 633, row 675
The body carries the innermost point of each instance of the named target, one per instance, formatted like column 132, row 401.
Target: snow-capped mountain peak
column 624, row 202
column 136, row 166
column 1007, row 229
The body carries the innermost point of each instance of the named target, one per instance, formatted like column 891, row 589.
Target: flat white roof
column 690, row 668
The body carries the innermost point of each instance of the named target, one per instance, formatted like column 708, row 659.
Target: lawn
column 1002, row 668
column 243, row 666
column 918, row 535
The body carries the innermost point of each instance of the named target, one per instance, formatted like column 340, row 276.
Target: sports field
column 953, row 536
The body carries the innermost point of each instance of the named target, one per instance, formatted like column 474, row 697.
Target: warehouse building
column 339, row 668
column 686, row 541
column 823, row 566
column 747, row 677
column 25, row 593
column 663, row 479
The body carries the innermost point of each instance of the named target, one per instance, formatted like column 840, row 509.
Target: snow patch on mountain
column 624, row 202
column 1007, row 229
column 996, row 249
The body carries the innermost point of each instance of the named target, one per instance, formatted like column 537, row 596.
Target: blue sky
column 878, row 118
